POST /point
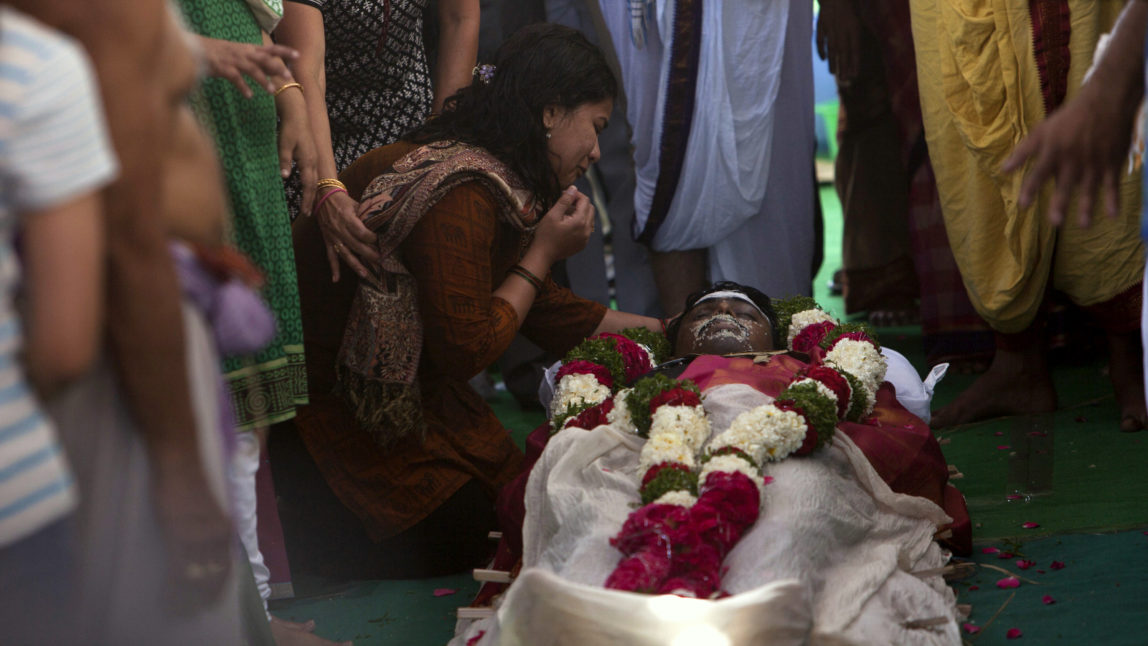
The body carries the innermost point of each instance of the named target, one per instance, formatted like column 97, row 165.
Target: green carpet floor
column 1071, row 472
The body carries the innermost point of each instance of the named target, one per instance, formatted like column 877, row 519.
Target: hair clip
column 485, row 72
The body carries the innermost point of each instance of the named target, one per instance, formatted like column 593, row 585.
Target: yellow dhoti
column 980, row 96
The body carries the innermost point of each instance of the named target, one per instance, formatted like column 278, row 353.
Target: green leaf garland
column 820, row 411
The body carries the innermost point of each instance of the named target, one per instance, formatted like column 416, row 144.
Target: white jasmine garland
column 730, row 464
column 765, row 433
column 690, row 422
column 579, row 388
column 802, row 320
column 862, row 360
column 619, row 416
column 677, row 497
column 665, row 446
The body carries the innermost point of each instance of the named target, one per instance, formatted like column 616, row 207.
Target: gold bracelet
column 331, row 182
column 289, row 85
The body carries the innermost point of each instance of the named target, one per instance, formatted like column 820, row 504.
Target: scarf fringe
column 388, row 411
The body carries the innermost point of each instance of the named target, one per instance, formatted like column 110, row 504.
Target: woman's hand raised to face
column 566, row 227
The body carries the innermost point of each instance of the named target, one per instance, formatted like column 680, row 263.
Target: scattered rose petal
column 766, row 479
column 477, row 638
column 1014, row 496
column 443, row 592
column 1030, row 525
column 1014, row 633
column 990, row 550
column 1048, row 600
column 974, row 587
column 1025, row 564
column 1057, row 565
column 1037, row 434
column 1003, row 447
column 999, row 433
column 1008, row 582
column 1005, row 555
column 971, row 629
column 1081, row 419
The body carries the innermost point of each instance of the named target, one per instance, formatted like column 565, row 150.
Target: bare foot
column 306, row 626
column 1127, row 374
column 289, row 633
column 1013, row 385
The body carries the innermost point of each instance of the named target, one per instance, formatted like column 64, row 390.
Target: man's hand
column 839, row 38
column 232, row 61
column 198, row 536
column 345, row 235
column 1084, row 144
column 1084, row 147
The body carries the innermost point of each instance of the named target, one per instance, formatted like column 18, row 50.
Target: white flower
column 619, row 416
column 764, row 433
column 665, row 446
column 649, row 353
column 729, row 464
column 688, row 421
column 862, row 360
column 802, row 320
column 677, row 497
column 578, row 388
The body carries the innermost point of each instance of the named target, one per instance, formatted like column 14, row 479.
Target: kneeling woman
column 471, row 210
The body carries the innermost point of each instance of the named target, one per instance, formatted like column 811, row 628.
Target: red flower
column 1014, row 633
column 1030, row 525
column 1025, row 564
column 1047, row 600
column 674, row 397
column 477, row 638
column 834, row 381
column 811, row 336
column 1057, row 565
column 648, row 526
column 593, row 417
column 634, row 358
column 1008, row 582
column 641, row 572
column 583, row 367
column 728, row 504
column 971, row 629
column 990, row 550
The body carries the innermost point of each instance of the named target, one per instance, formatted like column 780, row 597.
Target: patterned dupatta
column 382, row 342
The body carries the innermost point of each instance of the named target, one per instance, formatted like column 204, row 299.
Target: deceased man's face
column 723, row 326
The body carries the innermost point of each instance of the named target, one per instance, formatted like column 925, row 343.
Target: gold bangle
column 331, row 182
column 289, row 85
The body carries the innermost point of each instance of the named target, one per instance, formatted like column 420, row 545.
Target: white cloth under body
column 834, row 544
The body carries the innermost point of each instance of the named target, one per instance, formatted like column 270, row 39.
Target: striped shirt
column 53, row 148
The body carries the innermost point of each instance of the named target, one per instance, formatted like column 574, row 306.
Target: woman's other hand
column 296, row 142
column 566, row 227
column 345, row 235
column 232, row 61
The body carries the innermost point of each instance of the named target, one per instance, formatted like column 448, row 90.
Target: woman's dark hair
column 540, row 65
column 759, row 299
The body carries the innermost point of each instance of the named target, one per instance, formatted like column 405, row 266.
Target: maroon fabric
column 1051, row 29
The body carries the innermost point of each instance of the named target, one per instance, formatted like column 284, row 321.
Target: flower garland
column 596, row 368
column 690, row 520
column 850, row 349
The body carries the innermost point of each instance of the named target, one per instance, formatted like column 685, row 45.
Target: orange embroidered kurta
column 459, row 253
